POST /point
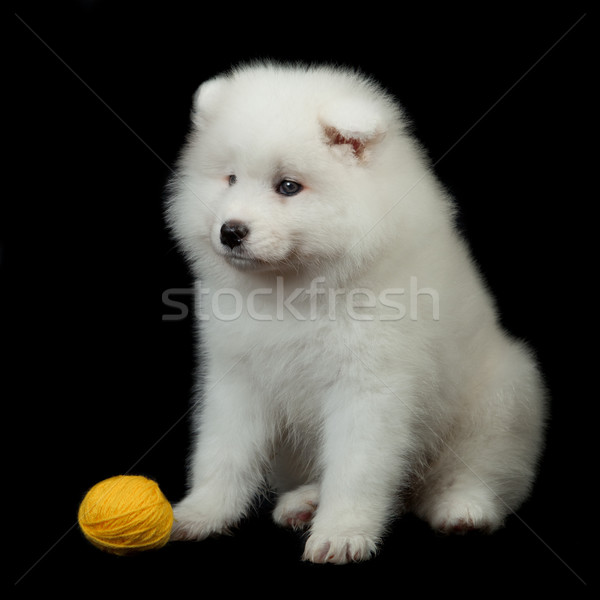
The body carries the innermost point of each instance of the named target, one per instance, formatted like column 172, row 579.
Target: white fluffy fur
column 351, row 355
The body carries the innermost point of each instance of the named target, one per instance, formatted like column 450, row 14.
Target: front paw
column 192, row 522
column 339, row 549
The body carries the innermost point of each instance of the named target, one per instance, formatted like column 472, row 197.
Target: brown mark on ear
column 356, row 141
column 335, row 138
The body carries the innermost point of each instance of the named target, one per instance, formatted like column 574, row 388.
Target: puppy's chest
column 285, row 360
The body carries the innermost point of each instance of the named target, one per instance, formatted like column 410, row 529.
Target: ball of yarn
column 126, row 514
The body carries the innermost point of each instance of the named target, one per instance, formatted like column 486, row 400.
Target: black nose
column 233, row 233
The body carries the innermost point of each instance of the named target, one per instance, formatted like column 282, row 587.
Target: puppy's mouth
column 242, row 259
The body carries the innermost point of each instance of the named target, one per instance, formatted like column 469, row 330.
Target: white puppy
column 351, row 357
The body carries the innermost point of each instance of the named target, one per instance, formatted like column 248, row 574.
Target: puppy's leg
column 486, row 470
column 364, row 461
column 475, row 483
column 227, row 466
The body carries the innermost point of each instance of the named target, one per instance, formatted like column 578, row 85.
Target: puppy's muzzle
column 233, row 233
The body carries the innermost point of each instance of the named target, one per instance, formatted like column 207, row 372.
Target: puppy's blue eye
column 289, row 188
column 232, row 179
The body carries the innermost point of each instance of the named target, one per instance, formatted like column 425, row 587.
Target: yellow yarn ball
column 126, row 514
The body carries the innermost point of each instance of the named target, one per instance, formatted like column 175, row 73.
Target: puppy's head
column 283, row 168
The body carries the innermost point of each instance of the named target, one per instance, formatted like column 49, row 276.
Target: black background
column 101, row 382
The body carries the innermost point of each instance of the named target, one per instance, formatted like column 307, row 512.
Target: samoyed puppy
column 351, row 358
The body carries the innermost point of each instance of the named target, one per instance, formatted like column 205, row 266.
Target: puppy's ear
column 354, row 126
column 206, row 101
